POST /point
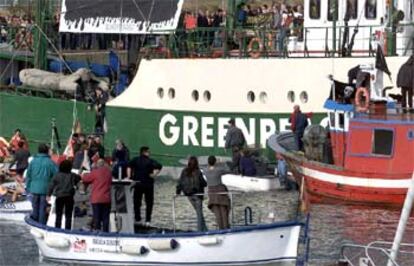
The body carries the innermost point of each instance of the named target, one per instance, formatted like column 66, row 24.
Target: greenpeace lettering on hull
column 209, row 131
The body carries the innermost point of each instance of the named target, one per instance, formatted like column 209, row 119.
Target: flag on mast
column 381, row 62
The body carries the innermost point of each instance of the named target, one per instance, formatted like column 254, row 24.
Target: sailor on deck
column 235, row 140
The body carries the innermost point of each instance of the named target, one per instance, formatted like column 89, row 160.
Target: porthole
column 304, row 97
column 195, row 95
column 291, row 96
column 160, row 93
column 207, row 96
column 171, row 93
column 251, row 97
column 263, row 97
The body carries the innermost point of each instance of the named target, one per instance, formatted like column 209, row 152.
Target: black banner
column 120, row 16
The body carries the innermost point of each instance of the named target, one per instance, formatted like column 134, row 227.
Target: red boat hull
column 327, row 184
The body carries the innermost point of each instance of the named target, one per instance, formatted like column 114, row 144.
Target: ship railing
column 229, row 193
column 375, row 253
column 302, row 42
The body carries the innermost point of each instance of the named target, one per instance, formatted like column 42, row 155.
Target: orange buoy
column 362, row 99
column 255, row 53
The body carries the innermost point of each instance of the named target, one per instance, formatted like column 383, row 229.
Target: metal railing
column 365, row 252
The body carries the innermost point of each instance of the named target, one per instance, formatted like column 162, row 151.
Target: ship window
column 207, row 96
column 332, row 10
column 171, row 93
column 341, row 120
column 160, row 92
column 371, row 9
column 195, row 95
column 383, row 142
column 251, row 97
column 291, row 96
column 315, row 9
column 351, row 9
column 303, row 97
column 332, row 119
column 263, row 97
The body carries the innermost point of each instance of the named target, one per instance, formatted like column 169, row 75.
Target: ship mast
column 40, row 42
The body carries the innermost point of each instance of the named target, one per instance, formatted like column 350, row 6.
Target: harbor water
column 331, row 225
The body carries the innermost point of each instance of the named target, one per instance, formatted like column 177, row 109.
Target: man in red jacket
column 101, row 180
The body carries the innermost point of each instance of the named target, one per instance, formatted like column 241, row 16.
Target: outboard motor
column 314, row 140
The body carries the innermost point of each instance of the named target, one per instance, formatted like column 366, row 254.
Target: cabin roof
column 385, row 119
column 333, row 105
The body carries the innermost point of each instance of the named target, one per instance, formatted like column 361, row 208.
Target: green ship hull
column 171, row 135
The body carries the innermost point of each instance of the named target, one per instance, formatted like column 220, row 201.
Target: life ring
column 253, row 52
column 269, row 37
column 361, row 94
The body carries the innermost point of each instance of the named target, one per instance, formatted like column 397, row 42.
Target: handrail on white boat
column 373, row 246
column 230, row 193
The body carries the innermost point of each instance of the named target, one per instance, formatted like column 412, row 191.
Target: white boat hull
column 249, row 183
column 250, row 245
column 15, row 211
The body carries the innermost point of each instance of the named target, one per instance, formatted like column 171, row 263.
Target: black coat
column 63, row 185
column 405, row 77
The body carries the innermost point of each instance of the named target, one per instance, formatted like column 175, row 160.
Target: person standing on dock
column 39, row 174
column 235, row 141
column 299, row 122
column 192, row 184
column 142, row 170
column 101, row 180
column 218, row 199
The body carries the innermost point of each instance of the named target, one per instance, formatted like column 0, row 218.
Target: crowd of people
column 276, row 22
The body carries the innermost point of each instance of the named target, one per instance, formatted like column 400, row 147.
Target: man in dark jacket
column 405, row 80
column 39, row 174
column 142, row 170
column 235, row 141
column 299, row 122
column 63, row 188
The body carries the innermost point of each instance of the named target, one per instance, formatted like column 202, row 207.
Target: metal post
column 173, row 213
column 232, row 209
column 40, row 42
column 405, row 214
column 334, row 19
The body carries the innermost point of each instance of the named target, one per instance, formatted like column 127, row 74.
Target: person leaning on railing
column 218, row 199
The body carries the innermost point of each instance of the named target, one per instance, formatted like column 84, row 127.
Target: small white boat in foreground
column 244, row 245
column 239, row 246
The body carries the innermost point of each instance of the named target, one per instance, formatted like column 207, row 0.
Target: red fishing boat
column 365, row 155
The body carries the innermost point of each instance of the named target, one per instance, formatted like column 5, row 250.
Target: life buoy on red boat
column 362, row 99
column 255, row 53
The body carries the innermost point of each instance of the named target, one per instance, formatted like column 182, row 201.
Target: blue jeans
column 39, row 205
column 197, row 204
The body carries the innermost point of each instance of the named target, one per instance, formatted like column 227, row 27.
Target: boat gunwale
column 238, row 230
column 254, row 262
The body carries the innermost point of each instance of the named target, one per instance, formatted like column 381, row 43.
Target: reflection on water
column 331, row 226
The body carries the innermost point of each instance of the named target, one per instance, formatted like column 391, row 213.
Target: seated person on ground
column 8, row 194
column 247, row 165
